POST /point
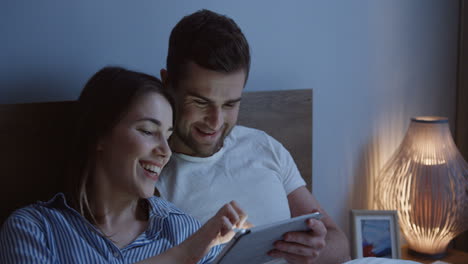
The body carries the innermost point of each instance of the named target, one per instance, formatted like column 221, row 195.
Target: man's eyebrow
column 211, row 101
column 234, row 100
column 154, row 121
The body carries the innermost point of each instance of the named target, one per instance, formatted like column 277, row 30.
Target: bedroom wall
column 372, row 65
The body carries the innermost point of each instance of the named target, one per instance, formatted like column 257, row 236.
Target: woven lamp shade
column 426, row 181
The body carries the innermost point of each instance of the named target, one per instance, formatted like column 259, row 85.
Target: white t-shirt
column 251, row 168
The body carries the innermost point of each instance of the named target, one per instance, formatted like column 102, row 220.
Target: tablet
column 249, row 246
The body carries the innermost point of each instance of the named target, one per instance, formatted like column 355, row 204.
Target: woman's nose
column 162, row 149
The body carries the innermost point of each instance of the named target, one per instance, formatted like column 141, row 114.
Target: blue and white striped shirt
column 53, row 232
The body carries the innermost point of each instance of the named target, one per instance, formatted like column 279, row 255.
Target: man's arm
column 326, row 243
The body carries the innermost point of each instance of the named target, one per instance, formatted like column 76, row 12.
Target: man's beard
column 202, row 150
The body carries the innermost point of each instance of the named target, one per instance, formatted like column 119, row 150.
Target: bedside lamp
column 426, row 181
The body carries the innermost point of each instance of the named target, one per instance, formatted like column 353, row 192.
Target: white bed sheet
column 380, row 261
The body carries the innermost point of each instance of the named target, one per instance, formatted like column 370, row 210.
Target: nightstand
column 453, row 257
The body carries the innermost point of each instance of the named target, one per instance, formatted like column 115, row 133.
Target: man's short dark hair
column 211, row 40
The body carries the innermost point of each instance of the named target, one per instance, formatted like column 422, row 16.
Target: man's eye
column 201, row 103
column 229, row 105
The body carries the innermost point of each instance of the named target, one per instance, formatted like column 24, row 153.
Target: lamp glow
column 426, row 180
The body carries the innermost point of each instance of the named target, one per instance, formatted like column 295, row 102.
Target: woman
column 109, row 213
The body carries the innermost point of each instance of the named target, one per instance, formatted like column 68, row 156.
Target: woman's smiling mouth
column 151, row 170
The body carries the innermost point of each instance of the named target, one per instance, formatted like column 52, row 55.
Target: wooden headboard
column 35, row 137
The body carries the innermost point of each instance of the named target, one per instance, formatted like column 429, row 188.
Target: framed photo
column 375, row 234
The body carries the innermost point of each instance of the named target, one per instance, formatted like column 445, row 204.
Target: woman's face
column 131, row 157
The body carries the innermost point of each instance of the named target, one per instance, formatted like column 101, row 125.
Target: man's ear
column 164, row 78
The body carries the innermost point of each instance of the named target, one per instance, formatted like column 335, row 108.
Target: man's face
column 207, row 108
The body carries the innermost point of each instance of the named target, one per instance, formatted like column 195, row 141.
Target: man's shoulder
column 248, row 135
column 242, row 132
column 252, row 140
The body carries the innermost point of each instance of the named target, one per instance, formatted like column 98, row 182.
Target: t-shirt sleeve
column 288, row 171
column 22, row 240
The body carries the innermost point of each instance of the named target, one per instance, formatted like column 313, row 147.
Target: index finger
column 242, row 215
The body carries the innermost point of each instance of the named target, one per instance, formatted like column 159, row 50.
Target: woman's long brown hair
column 103, row 102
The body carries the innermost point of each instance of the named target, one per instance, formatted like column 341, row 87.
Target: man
column 215, row 161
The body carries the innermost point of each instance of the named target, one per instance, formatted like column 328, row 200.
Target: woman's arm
column 214, row 232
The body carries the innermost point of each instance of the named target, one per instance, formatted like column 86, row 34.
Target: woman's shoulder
column 39, row 212
column 162, row 208
column 31, row 217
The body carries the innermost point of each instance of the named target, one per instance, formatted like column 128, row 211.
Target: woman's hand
column 220, row 227
column 218, row 230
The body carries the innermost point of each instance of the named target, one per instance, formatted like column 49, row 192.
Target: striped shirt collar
column 158, row 206
column 159, row 210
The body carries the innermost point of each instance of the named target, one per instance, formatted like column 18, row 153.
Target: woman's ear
column 100, row 145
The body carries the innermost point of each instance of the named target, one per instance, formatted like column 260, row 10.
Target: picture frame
column 375, row 233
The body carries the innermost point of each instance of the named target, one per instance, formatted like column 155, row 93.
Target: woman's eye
column 145, row 132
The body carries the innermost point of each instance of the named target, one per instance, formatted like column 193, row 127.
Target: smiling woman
column 115, row 134
column 130, row 158
column 109, row 212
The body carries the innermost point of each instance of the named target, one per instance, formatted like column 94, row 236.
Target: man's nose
column 215, row 118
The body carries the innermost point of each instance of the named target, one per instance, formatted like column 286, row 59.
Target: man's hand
column 302, row 247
